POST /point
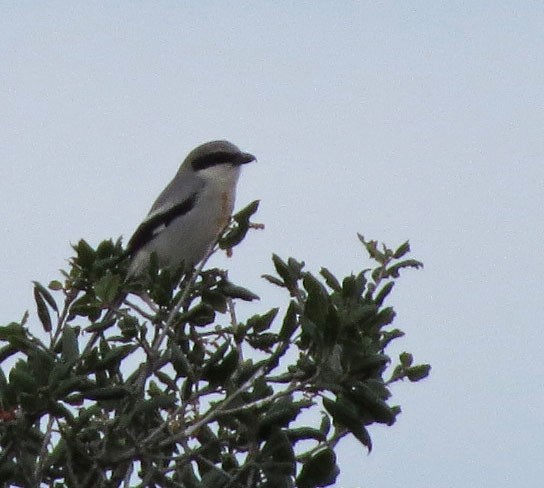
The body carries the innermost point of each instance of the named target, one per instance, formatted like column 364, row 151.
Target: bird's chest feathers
column 226, row 204
column 220, row 192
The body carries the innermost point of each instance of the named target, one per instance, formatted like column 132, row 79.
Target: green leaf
column 155, row 403
column 281, row 414
column 263, row 342
column 233, row 291
column 260, row 323
column 406, row 359
column 333, row 325
column 273, row 280
column 214, row 477
column 345, row 415
column 379, row 388
column 165, row 379
column 22, row 379
column 245, row 371
column 219, row 373
column 290, row 322
column 65, row 387
column 384, row 317
column 295, row 267
column 325, row 425
column 217, row 355
column 12, row 330
column 106, row 249
column 331, row 280
column 279, row 455
column 55, row 285
column 211, row 447
column 6, row 352
column 8, row 472
column 107, row 287
column 187, row 476
column 247, row 212
column 85, row 254
column 102, row 325
column 372, row 249
column 163, row 285
column 113, row 357
column 398, row 374
column 354, row 286
column 24, row 320
column 366, row 399
column 213, row 370
column 403, row 249
column 154, row 389
column 22, row 343
column 408, row 263
column 86, row 306
column 383, row 293
column 43, row 312
column 319, row 470
column 370, row 365
column 215, row 299
column 317, row 302
column 46, row 295
column 303, row 433
column 229, row 462
column 200, row 315
column 58, row 410
column 179, row 361
column 389, row 336
column 237, row 233
column 32, row 402
column 70, row 346
column 416, row 373
column 283, row 271
column 41, row 362
column 106, row 393
column 309, row 330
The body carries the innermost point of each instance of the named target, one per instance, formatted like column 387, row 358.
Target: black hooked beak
column 244, row 158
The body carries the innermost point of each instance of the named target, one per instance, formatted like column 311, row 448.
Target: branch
column 261, row 402
column 43, row 450
column 211, row 414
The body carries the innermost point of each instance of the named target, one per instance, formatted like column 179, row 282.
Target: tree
column 155, row 392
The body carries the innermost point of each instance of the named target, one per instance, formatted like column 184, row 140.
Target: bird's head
column 217, row 153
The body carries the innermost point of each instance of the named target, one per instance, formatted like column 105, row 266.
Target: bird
column 186, row 219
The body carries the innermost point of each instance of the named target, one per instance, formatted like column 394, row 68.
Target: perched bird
column 189, row 214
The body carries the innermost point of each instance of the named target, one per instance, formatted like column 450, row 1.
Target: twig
column 159, row 338
column 214, row 410
column 207, row 417
column 261, row 402
column 43, row 449
column 61, row 320
column 128, row 475
column 140, row 310
column 234, row 323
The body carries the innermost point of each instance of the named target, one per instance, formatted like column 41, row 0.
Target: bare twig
column 141, row 311
column 261, row 402
column 130, row 469
column 206, row 418
column 234, row 324
column 43, row 449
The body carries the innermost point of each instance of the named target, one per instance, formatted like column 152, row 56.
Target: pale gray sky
column 419, row 120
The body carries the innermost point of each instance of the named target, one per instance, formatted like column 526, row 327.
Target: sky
column 419, row 120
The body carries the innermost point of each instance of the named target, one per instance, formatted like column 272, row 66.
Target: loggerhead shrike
column 192, row 210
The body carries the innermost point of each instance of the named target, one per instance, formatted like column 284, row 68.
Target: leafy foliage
column 173, row 391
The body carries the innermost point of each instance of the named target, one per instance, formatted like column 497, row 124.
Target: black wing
column 149, row 228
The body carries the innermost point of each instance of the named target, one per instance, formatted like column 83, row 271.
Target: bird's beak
column 245, row 158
